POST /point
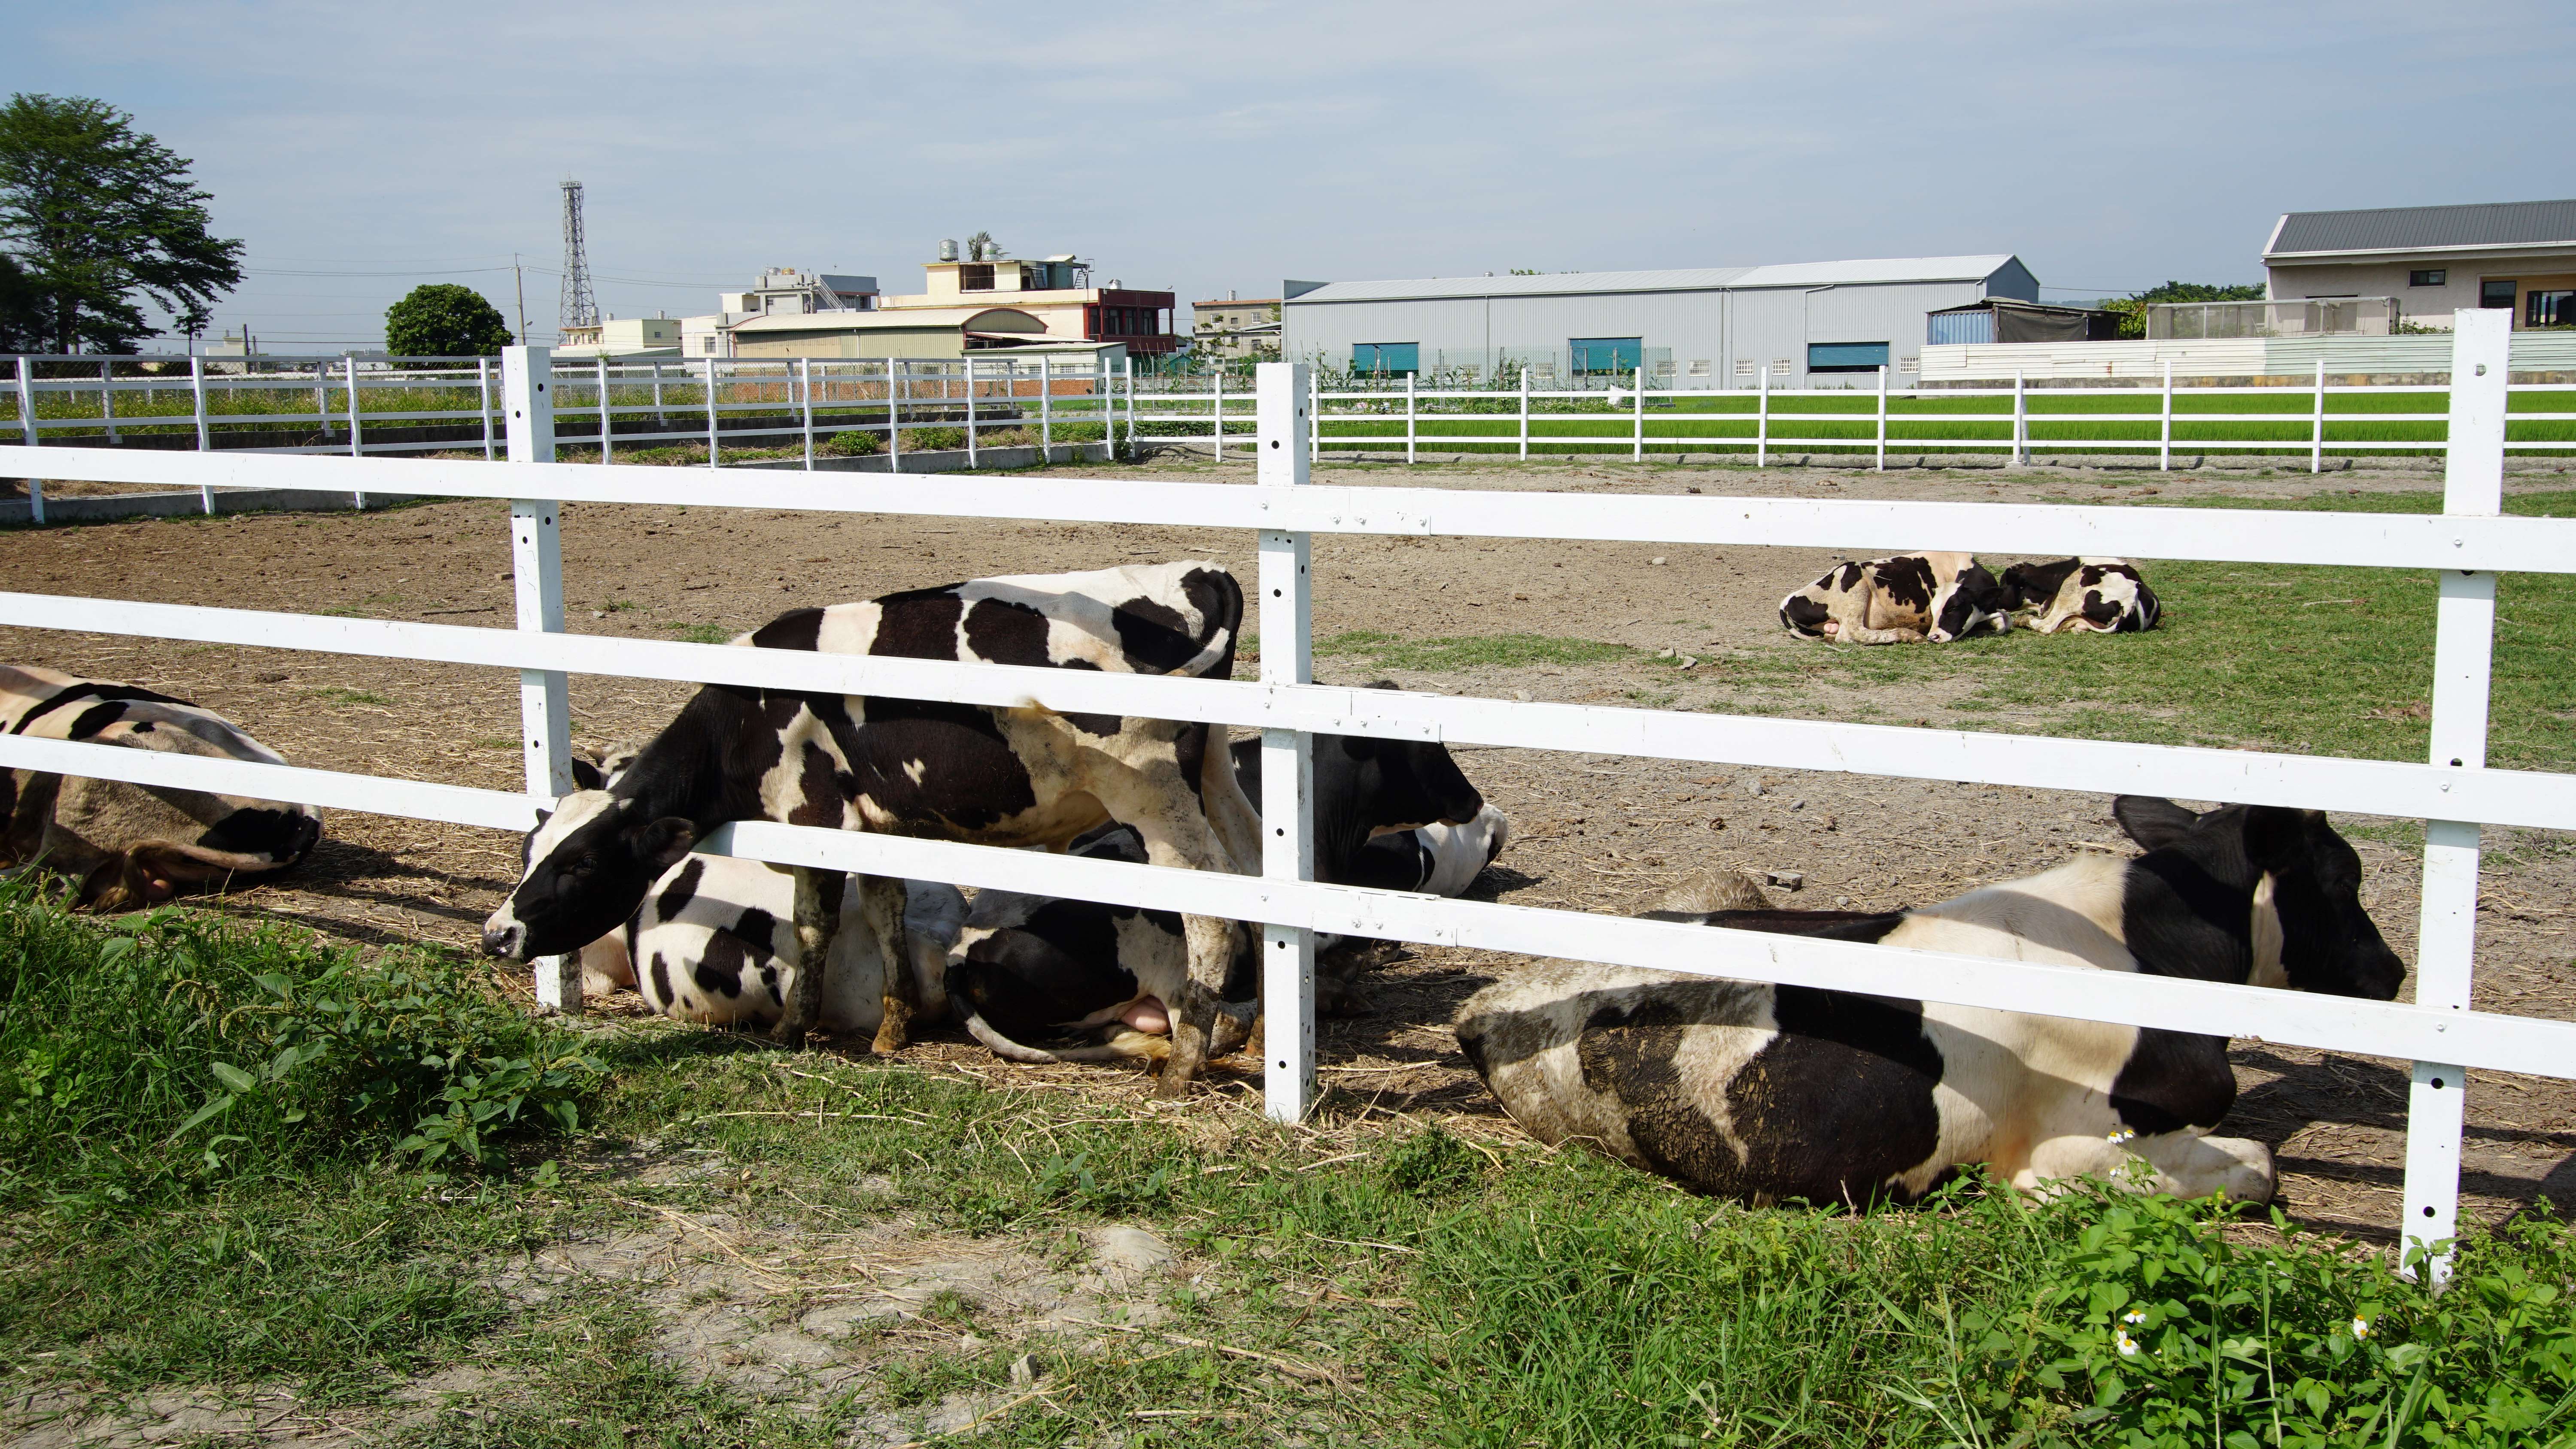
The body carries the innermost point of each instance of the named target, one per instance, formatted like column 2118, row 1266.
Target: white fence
column 2455, row 794
column 770, row 402
column 2328, row 419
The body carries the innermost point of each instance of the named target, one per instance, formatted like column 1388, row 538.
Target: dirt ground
column 1600, row 833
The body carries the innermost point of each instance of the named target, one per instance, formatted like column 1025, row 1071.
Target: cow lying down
column 1771, row 1093
column 2081, row 595
column 1904, row 599
column 130, row 845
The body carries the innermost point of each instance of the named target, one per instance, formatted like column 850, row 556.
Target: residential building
column 1813, row 323
column 2434, row 259
column 970, row 305
column 623, row 337
column 1236, row 329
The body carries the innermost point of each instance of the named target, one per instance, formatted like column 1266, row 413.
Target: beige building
column 966, row 305
column 1236, row 329
column 623, row 337
column 2434, row 260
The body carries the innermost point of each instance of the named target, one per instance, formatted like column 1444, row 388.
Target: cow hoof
column 890, row 1040
column 791, row 1039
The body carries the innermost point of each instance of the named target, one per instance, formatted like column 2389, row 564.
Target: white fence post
column 483, row 391
column 2317, row 426
column 1762, row 417
column 805, row 386
column 1408, row 417
column 894, row 421
column 967, row 366
column 604, row 443
column 657, row 395
column 107, row 397
column 2021, row 421
column 1046, row 409
column 536, row 565
column 356, row 447
column 205, row 439
column 1637, row 447
column 1220, row 413
column 2164, row 434
column 711, row 413
column 1882, row 417
column 30, row 436
column 2463, row 649
column 1314, row 413
column 1287, row 756
column 1525, row 412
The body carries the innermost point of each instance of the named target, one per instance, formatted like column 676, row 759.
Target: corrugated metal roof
column 2416, row 228
column 1678, row 279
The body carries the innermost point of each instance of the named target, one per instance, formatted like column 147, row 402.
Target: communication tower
column 580, row 308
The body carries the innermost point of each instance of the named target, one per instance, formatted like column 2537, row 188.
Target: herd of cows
column 1756, row 1092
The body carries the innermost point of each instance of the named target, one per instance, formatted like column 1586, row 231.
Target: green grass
column 701, row 633
column 1724, row 422
column 1392, row 1285
column 1388, row 651
column 338, row 695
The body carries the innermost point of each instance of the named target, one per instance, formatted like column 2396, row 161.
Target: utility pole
column 520, row 279
column 578, row 307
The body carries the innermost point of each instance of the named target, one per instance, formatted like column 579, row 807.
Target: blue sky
column 1222, row 144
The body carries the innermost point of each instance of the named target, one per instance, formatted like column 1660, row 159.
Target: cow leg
column 1184, row 838
column 817, row 918
column 1231, row 815
column 881, row 901
column 2177, row 1164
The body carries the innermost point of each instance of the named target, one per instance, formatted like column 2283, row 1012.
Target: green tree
column 97, row 215
column 442, row 319
column 21, row 320
column 2133, row 308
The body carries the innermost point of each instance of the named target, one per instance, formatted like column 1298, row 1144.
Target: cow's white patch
column 913, row 770
column 1459, row 853
column 571, row 813
column 2265, row 929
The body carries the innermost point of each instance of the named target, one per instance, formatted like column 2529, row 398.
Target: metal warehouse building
column 1811, row 324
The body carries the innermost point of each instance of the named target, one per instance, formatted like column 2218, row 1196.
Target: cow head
column 1969, row 602
column 2279, row 884
column 588, row 864
column 1408, row 783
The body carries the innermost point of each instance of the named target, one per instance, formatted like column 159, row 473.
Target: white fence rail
column 635, row 403
column 2328, row 419
column 2454, row 793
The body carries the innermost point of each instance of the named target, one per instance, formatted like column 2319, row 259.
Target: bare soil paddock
column 1593, row 832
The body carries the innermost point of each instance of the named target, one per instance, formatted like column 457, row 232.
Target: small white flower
column 2121, row 1340
column 2123, row 1135
column 2133, row 1316
column 2361, row 1328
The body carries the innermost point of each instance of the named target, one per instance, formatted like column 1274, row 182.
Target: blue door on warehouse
column 1594, row 355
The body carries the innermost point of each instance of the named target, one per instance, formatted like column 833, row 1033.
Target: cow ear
column 2151, row 822
column 661, row 843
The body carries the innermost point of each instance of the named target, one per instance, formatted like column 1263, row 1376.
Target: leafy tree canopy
column 442, row 319
column 98, row 215
column 2133, row 307
column 21, row 322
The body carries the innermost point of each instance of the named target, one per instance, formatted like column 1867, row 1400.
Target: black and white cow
column 1904, row 599
column 1395, row 815
column 1771, row 1093
column 128, row 844
column 1004, row 776
column 2095, row 595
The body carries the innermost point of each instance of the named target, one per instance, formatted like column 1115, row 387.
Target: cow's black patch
column 719, row 968
column 919, row 624
column 2035, row 585
column 683, row 887
column 1058, row 966
column 282, row 835
column 1154, row 637
column 1846, row 578
column 819, row 800
column 796, row 629
column 1628, row 1053
column 971, row 779
column 95, row 718
column 662, row 981
column 1907, row 581
column 1103, row 725
column 758, row 930
column 1803, row 614
column 1863, row 926
column 1000, row 632
column 2174, row 1080
column 75, row 693
column 1839, row 1102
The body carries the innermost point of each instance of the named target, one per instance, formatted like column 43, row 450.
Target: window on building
column 1605, row 354
column 2498, row 292
column 975, row 277
column 2435, row 277
column 1385, row 359
column 2556, row 308
column 1846, row 356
